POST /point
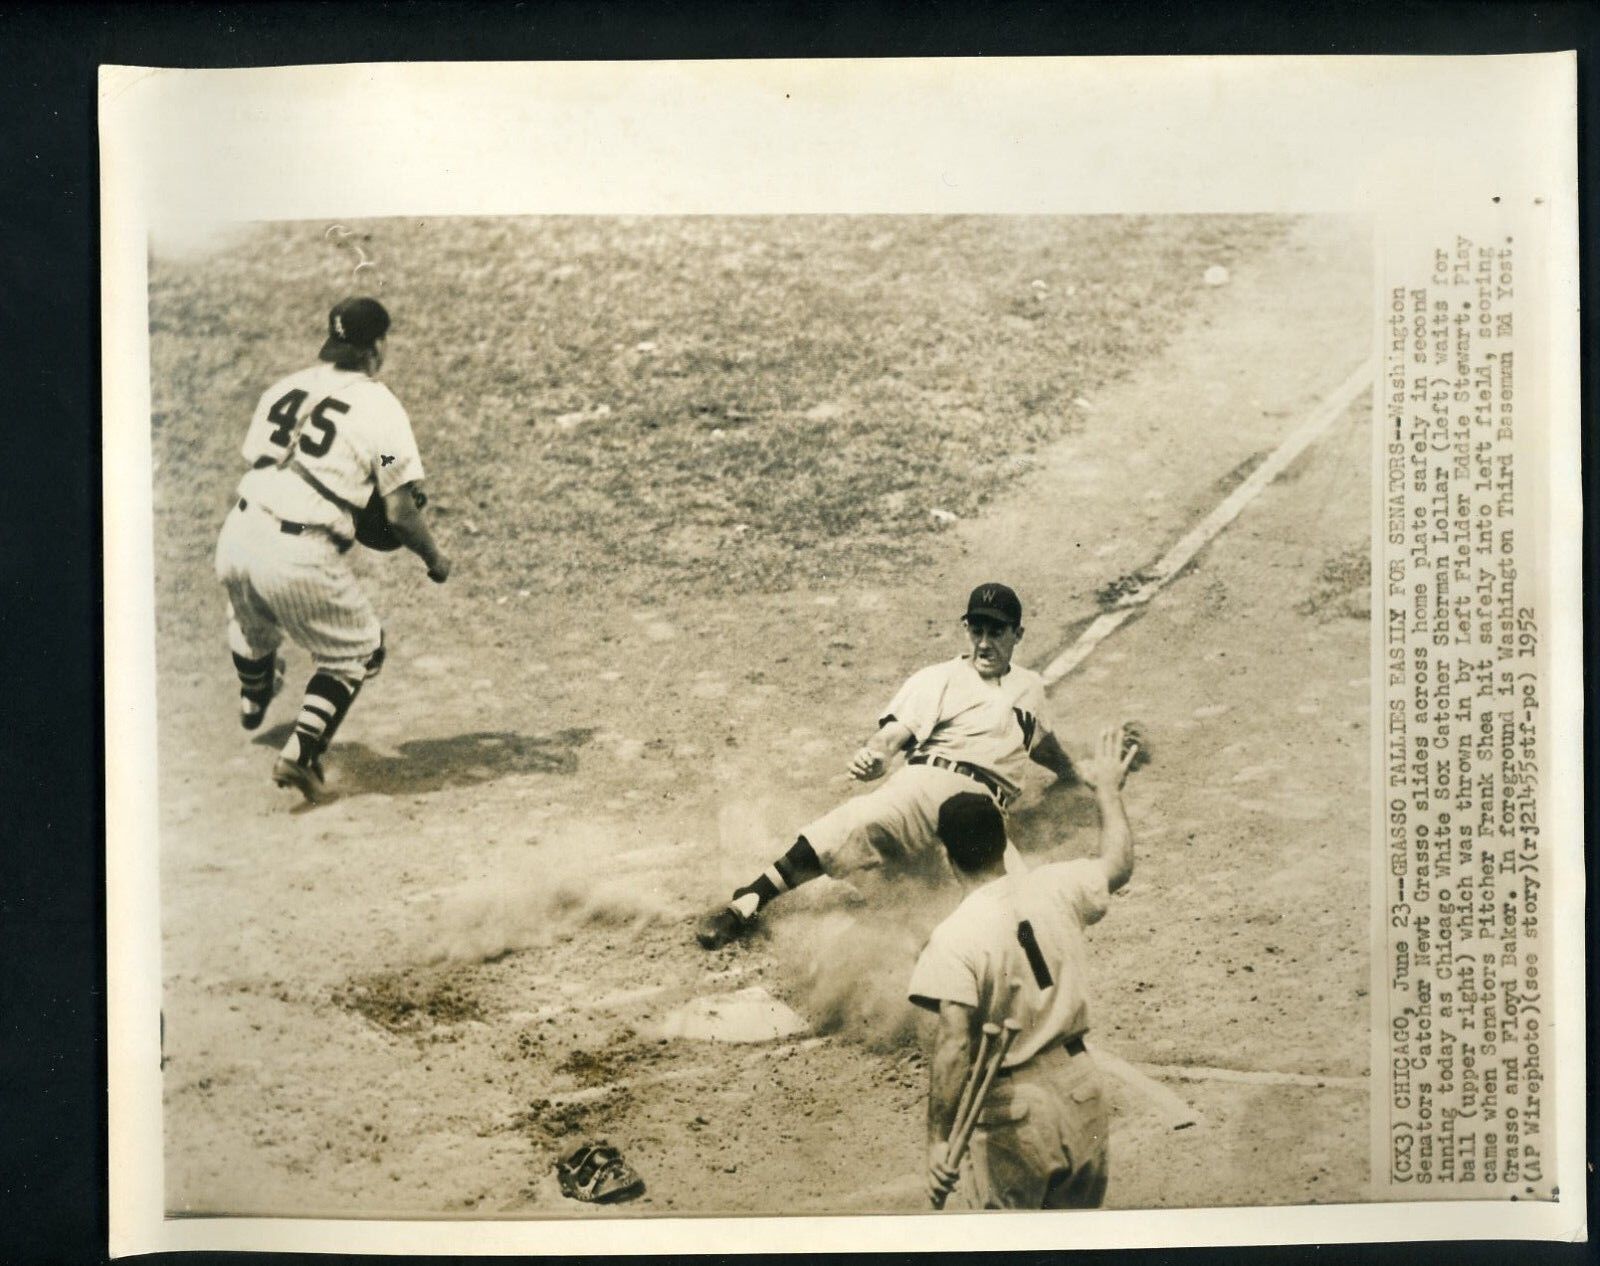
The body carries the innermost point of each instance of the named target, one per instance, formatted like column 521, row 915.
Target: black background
column 52, row 943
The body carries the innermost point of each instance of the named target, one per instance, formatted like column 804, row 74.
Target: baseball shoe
column 253, row 705
column 305, row 776
column 722, row 926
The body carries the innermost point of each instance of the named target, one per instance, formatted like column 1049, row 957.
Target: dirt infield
column 661, row 645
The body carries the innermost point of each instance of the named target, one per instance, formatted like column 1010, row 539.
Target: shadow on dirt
column 434, row 764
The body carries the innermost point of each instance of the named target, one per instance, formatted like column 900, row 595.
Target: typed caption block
column 1463, row 1006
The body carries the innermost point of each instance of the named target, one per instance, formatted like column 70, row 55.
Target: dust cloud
column 849, row 960
column 845, row 947
column 575, row 880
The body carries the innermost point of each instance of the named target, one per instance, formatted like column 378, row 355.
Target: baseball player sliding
column 969, row 724
column 320, row 442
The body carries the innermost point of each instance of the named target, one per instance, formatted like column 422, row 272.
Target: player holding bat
column 1007, row 974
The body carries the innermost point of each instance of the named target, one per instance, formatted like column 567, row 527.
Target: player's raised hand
column 1108, row 765
column 866, row 765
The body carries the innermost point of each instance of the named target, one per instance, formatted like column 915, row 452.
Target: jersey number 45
column 285, row 419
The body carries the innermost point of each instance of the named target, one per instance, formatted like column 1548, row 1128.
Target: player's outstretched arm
column 1105, row 771
column 405, row 518
column 872, row 757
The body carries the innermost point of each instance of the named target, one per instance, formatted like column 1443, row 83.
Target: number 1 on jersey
column 1036, row 963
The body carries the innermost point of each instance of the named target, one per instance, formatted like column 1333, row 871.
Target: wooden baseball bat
column 964, row 1104
column 957, row 1147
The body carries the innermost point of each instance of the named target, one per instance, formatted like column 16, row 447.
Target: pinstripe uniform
column 320, row 441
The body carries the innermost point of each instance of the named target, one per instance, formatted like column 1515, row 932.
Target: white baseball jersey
column 320, row 441
column 1028, row 930
column 953, row 712
column 1041, row 1137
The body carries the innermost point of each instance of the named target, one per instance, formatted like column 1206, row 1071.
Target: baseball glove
column 596, row 1172
column 1134, row 733
column 372, row 522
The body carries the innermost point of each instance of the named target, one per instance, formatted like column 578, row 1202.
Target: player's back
column 316, row 441
column 1029, row 929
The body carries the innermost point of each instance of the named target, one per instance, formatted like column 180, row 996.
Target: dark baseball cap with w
column 354, row 326
column 995, row 601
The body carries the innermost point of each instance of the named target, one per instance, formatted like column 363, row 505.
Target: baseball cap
column 997, row 601
column 354, row 325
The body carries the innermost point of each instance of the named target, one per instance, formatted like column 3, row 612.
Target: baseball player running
column 970, row 724
column 1041, row 1136
column 320, row 442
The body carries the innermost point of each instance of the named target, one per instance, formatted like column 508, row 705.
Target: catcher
column 1041, row 1136
column 332, row 460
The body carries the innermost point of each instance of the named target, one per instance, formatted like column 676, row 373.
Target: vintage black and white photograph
column 727, row 714
column 612, row 670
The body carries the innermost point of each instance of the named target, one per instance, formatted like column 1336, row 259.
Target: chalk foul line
column 1255, row 1077
column 1180, row 555
column 1175, row 1112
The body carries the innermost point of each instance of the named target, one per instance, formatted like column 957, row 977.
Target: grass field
column 705, row 404
column 688, row 469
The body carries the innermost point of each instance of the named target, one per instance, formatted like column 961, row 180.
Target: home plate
column 747, row 1015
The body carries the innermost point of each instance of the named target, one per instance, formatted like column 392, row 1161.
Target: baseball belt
column 1070, row 1046
column 982, row 777
column 289, row 528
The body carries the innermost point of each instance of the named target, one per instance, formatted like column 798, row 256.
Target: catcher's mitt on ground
column 597, row 1173
column 372, row 522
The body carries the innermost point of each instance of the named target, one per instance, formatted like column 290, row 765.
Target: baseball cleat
column 722, row 926
column 304, row 776
column 253, row 705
